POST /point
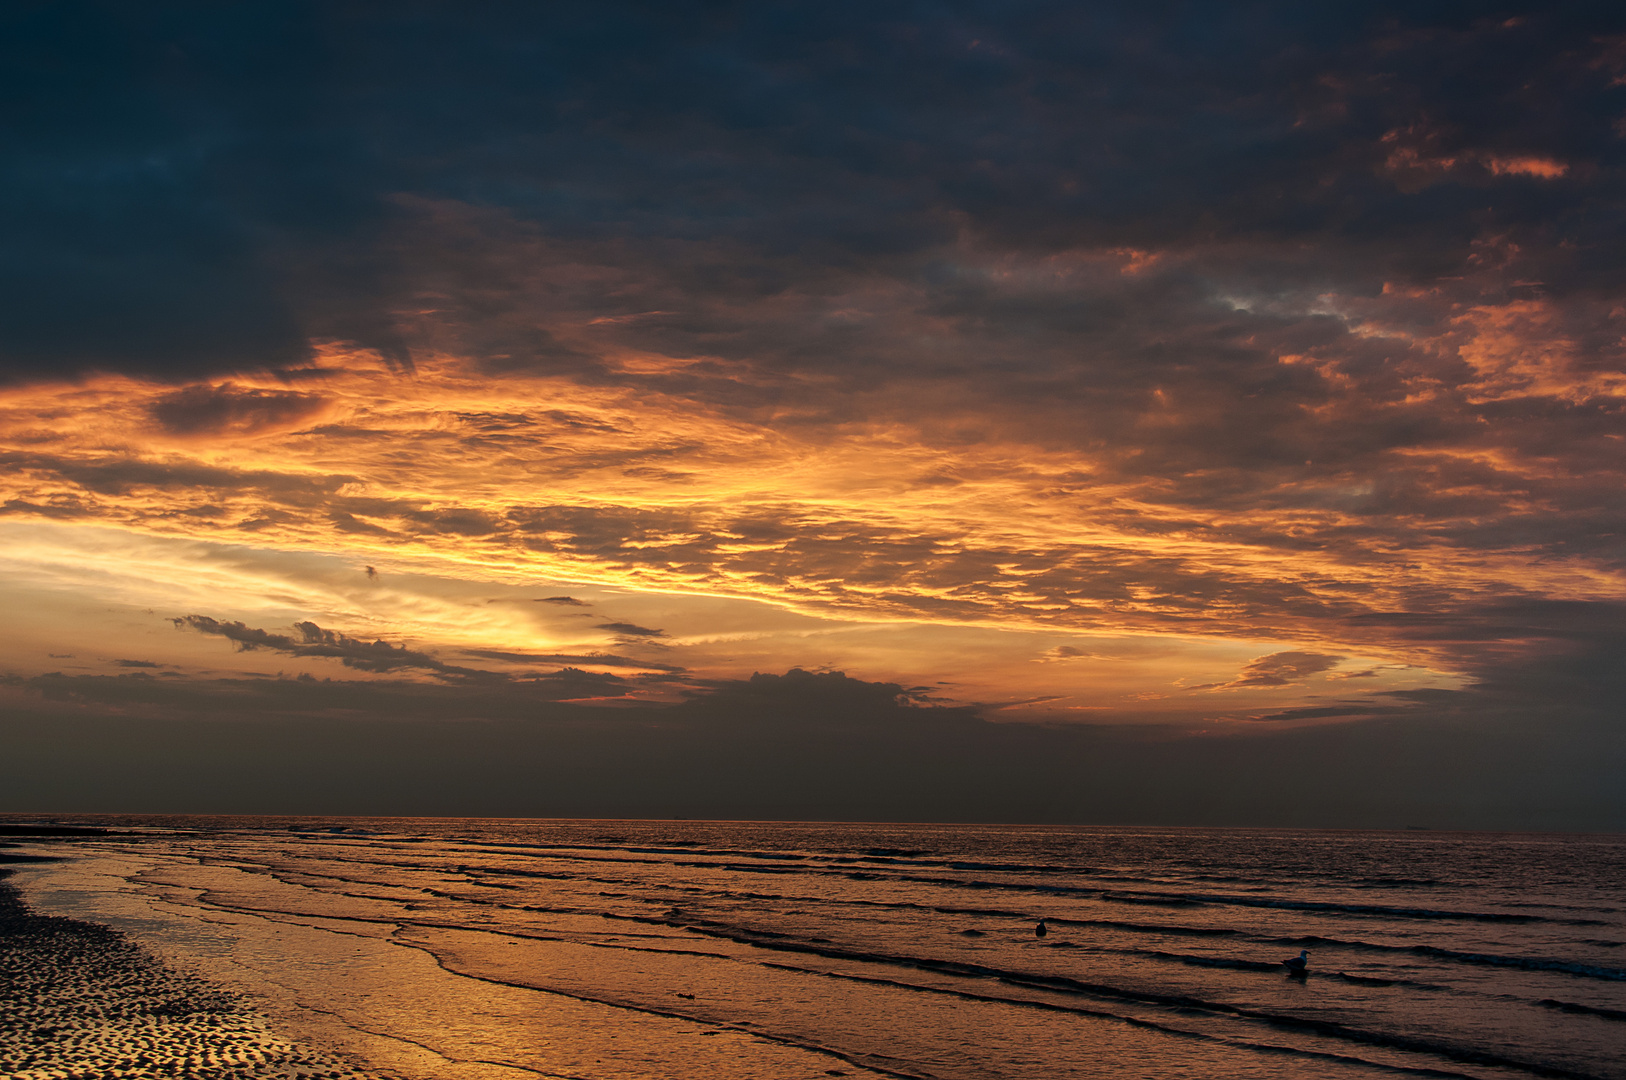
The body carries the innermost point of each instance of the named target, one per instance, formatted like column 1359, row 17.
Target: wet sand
column 84, row 1002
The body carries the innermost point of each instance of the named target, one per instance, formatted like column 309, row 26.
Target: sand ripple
column 83, row 1002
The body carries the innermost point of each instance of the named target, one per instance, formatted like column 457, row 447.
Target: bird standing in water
column 1040, row 930
column 1299, row 964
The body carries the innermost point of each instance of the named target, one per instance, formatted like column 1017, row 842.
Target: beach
column 481, row 949
column 84, row 1001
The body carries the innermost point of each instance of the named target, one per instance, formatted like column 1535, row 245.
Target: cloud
column 456, row 521
column 631, row 629
column 829, row 694
column 314, row 641
column 381, row 657
column 305, row 696
column 595, row 659
column 226, row 408
column 1264, row 551
column 832, row 700
column 1311, row 337
column 739, row 159
column 1277, row 669
column 1073, row 652
column 807, row 745
column 1322, row 712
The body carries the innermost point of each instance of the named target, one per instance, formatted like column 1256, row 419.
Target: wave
column 1568, row 967
column 1526, row 963
column 1019, row 868
column 1150, row 901
column 1211, row 961
column 1067, row 985
column 778, row 942
column 1385, row 910
column 1239, row 964
column 880, row 923
column 1326, row 1028
column 1147, row 928
column 908, row 853
column 880, row 856
column 677, row 916
column 1134, row 1021
column 1142, row 898
column 877, row 869
column 1584, row 1010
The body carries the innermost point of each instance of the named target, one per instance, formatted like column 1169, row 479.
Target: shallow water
column 486, row 948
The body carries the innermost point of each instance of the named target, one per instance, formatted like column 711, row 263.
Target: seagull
column 1040, row 930
column 1299, row 964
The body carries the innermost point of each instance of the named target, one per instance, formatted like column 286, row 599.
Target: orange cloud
column 1417, row 155
column 544, row 476
column 1525, row 165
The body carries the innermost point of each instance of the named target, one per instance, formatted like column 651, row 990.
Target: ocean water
column 480, row 948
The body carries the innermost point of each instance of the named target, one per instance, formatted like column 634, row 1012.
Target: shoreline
column 638, row 953
column 85, row 1002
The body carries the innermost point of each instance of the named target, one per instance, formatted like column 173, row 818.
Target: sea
column 592, row 949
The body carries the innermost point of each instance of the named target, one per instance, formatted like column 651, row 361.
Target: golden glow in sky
column 631, row 525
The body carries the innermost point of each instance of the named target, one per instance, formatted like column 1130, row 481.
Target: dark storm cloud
column 1564, row 659
column 307, row 696
column 808, row 745
column 1564, row 653
column 1322, row 712
column 830, row 699
column 197, row 188
column 143, row 180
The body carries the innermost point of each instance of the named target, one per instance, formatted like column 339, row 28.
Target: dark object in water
column 1300, row 964
column 1041, row 930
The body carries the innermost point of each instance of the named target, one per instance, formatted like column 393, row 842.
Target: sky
column 1077, row 413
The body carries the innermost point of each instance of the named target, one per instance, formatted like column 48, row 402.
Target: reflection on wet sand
column 475, row 949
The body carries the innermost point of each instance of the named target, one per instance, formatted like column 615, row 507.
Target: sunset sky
column 1047, row 411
